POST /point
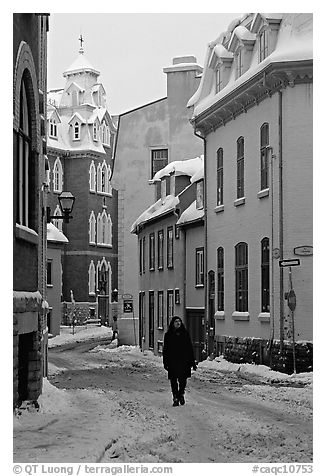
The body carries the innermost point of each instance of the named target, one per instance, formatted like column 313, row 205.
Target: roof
column 53, row 234
column 180, row 167
column 81, row 63
column 190, row 214
column 157, row 209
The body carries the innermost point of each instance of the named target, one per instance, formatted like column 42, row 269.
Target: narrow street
column 122, row 412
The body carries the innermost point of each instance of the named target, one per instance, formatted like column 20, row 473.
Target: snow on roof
column 54, row 96
column 158, row 208
column 191, row 214
column 241, row 33
column 81, row 63
column 199, row 175
column 180, row 167
column 294, row 43
column 76, row 114
column 54, row 234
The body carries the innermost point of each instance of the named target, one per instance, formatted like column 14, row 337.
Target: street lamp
column 66, row 203
column 114, row 295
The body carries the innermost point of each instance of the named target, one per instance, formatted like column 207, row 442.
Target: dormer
column 241, row 45
column 75, row 93
column 95, row 127
column 105, row 133
column 200, row 194
column 221, row 62
column 53, row 121
column 75, row 123
column 266, row 27
column 98, row 95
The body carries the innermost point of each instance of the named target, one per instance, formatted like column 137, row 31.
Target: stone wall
column 262, row 351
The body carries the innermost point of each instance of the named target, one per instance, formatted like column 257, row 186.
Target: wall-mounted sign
column 303, row 250
column 127, row 305
column 289, row 262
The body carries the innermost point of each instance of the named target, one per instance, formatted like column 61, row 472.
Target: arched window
column 264, row 143
column 57, row 176
column 109, row 231
column 109, row 180
column 57, row 223
column 103, row 277
column 25, row 165
column 92, row 228
column 241, row 277
column 99, row 231
column 92, row 177
column 240, row 167
column 95, row 130
column 99, row 178
column 104, row 178
column 265, row 305
column 91, row 278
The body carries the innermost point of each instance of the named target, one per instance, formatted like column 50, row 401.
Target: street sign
column 292, row 300
column 128, row 305
column 289, row 262
column 303, row 250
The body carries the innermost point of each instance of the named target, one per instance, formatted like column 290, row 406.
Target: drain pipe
column 281, row 217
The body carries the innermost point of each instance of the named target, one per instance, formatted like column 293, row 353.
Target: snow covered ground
column 94, row 418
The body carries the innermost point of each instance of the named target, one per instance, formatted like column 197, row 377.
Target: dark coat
column 178, row 354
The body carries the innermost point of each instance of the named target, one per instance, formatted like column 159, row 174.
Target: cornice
column 265, row 83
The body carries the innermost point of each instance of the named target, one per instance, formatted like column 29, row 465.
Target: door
column 196, row 328
column 103, row 309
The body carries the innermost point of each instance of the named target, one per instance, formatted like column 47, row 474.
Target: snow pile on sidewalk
column 80, row 334
column 262, row 371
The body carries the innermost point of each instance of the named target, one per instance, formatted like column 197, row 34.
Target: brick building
column 149, row 137
column 29, row 227
column 253, row 109
column 81, row 136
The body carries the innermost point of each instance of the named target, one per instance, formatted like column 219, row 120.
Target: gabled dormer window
column 266, row 26
column 239, row 62
column 241, row 44
column 53, row 132
column 76, row 134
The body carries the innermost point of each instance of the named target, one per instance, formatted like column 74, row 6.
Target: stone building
column 29, row 226
column 253, row 109
column 170, row 257
column 81, row 137
column 149, row 137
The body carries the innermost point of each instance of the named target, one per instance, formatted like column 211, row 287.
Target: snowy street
column 104, row 404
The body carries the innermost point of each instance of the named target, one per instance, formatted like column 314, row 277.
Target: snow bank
column 53, row 399
column 80, row 334
column 219, row 363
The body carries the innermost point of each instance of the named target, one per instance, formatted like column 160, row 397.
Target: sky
column 130, row 49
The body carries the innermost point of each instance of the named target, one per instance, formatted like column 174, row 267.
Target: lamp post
column 66, row 203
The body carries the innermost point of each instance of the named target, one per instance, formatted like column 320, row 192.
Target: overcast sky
column 130, row 49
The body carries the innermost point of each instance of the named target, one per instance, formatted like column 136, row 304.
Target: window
column 151, row 319
column 241, row 277
column 57, row 223
column 220, row 279
column 103, row 277
column 151, row 251
column 25, row 172
column 264, row 142
column 177, row 296
column 144, row 254
column 104, row 229
column 169, row 254
column 76, row 131
column 57, row 176
column 92, row 177
column 160, row 248
column 218, row 81
column 92, row 228
column 160, row 312
column 141, row 308
column 263, row 45
column 95, row 130
column 240, row 167
column 219, row 177
column 159, row 160
column 200, row 194
column 140, row 251
column 170, row 305
column 53, row 132
column 199, row 267
column 103, row 178
column 265, row 275
column 91, row 278
column 49, row 276
column 239, row 63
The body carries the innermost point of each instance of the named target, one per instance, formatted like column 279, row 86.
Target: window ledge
column 92, row 191
column 219, row 315
column 240, row 316
column 103, row 245
column 107, row 194
column 219, row 208
column 27, row 234
column 160, row 328
column 263, row 193
column 92, row 243
column 49, row 285
column 91, row 294
column 239, row 201
column 264, row 317
column 199, row 286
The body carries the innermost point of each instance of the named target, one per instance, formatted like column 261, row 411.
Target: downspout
column 272, row 259
column 207, row 350
column 281, row 218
